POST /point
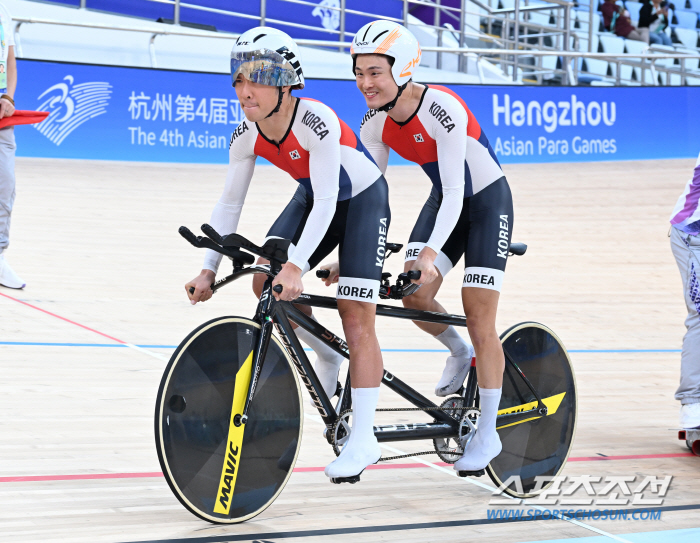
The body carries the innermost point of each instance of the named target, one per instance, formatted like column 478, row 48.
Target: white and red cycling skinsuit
column 342, row 198
column 470, row 209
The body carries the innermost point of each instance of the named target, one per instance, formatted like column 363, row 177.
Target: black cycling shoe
column 352, row 480
column 471, row 473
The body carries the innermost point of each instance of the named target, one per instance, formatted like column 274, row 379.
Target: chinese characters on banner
column 182, row 109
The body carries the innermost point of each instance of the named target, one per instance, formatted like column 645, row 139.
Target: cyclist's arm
column 452, row 155
column 324, row 171
column 227, row 211
column 371, row 137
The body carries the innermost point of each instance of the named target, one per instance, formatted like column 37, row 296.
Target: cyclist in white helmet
column 341, row 200
column 469, row 211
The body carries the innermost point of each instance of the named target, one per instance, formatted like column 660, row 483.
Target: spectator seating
column 582, row 18
column 684, row 30
column 544, row 18
column 633, row 8
column 687, row 37
column 609, row 43
column 639, row 47
column 684, row 19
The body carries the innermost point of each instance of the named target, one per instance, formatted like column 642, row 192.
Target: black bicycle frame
column 280, row 314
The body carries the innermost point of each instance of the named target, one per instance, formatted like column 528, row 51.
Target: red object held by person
column 23, row 117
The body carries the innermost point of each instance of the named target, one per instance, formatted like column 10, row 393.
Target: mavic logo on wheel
column 234, row 443
column 295, row 155
column 230, row 472
column 418, row 138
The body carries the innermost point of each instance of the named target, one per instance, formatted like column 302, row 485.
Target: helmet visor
column 263, row 66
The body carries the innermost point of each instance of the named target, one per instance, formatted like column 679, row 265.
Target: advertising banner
column 114, row 113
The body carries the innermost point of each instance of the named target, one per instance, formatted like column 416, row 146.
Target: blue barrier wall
column 112, row 113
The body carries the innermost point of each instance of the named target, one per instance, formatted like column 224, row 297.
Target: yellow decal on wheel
column 552, row 403
column 229, row 472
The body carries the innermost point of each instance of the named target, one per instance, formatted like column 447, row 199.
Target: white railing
column 509, row 57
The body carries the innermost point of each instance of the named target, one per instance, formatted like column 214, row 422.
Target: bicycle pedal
column 478, row 473
column 352, row 480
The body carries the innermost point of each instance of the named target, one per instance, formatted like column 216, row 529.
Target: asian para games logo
column 329, row 12
column 71, row 105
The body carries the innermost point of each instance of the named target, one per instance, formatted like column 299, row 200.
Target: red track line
column 63, row 318
column 35, row 478
column 629, row 457
column 30, row 478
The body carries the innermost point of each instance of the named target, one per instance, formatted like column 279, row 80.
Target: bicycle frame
column 281, row 314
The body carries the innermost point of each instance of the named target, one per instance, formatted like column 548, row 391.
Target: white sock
column 485, row 445
column 458, row 347
column 327, row 362
column 362, row 448
column 458, row 362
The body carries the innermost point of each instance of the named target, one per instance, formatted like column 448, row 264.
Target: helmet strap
column 279, row 103
column 390, row 105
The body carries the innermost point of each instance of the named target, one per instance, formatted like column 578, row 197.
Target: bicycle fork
column 260, row 349
column 269, row 314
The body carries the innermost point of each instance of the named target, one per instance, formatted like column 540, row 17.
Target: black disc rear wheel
column 539, row 446
column 221, row 472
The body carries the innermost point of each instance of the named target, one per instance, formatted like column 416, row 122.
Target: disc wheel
column 539, row 446
column 221, row 472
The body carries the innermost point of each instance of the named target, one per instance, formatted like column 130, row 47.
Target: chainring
column 450, row 449
column 469, row 422
column 341, row 431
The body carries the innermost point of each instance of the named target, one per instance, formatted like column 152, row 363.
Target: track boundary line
column 123, row 344
column 383, row 528
column 306, row 469
column 119, row 341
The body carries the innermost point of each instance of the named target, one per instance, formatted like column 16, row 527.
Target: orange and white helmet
column 390, row 39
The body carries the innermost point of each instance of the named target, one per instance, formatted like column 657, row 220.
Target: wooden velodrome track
column 97, row 243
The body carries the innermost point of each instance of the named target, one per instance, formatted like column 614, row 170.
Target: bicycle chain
column 408, row 455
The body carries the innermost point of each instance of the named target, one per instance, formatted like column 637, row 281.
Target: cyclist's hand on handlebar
column 199, row 289
column 425, row 263
column 334, row 273
column 290, row 279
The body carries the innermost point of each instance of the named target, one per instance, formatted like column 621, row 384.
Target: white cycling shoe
column 353, row 460
column 362, row 448
column 454, row 374
column 690, row 416
column 479, row 452
column 8, row 278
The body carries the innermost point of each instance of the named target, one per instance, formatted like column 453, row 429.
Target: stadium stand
column 489, row 25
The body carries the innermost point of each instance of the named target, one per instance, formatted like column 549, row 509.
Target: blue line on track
column 57, row 344
column 686, row 535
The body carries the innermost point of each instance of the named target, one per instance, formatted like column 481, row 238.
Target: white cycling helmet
column 267, row 56
column 270, row 57
column 390, row 39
